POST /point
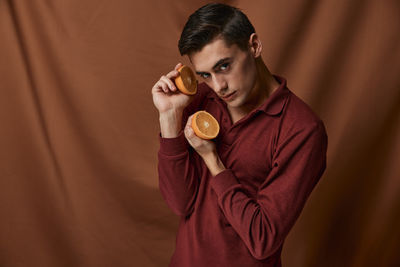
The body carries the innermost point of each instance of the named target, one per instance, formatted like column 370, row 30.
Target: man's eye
column 224, row 66
column 205, row 75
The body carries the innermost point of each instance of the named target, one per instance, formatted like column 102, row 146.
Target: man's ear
column 255, row 45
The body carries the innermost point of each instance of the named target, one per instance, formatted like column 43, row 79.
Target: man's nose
column 219, row 84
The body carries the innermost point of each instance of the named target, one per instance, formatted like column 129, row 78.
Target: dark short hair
column 212, row 21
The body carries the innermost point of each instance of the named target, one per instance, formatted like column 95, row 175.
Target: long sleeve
column 178, row 178
column 264, row 221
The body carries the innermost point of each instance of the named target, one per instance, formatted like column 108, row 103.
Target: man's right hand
column 170, row 103
column 166, row 96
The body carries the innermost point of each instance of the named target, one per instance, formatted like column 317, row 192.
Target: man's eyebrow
column 219, row 62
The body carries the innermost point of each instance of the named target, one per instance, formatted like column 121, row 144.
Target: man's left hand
column 205, row 148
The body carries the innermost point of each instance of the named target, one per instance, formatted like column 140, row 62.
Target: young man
column 240, row 194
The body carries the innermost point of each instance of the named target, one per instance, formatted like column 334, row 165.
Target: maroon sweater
column 274, row 157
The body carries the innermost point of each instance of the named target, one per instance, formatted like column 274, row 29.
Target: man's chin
column 233, row 104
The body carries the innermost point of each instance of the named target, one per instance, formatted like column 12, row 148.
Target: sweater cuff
column 173, row 146
column 223, row 181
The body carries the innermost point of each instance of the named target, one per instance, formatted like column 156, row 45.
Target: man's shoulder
column 298, row 115
column 297, row 109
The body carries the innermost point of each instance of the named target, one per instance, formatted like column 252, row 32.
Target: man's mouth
column 229, row 96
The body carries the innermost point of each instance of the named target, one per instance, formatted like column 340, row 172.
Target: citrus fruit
column 205, row 125
column 186, row 81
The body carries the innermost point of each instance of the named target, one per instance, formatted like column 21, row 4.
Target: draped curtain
column 79, row 132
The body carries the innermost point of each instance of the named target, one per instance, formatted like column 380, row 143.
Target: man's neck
column 265, row 85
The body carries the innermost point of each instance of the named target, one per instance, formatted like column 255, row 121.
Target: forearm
column 178, row 175
column 213, row 163
column 170, row 123
column 253, row 218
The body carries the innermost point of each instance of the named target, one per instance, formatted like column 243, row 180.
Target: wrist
column 213, row 163
column 170, row 123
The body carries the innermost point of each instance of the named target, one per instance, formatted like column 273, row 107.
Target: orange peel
column 186, row 82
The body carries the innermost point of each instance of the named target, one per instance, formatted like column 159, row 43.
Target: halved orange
column 186, row 82
column 205, row 125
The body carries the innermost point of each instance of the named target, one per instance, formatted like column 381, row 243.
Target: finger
column 189, row 133
column 169, row 83
column 172, row 74
column 175, row 72
column 178, row 66
column 188, row 128
column 189, row 122
column 157, row 87
column 165, row 84
column 161, row 86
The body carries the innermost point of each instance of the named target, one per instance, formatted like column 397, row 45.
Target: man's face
column 229, row 71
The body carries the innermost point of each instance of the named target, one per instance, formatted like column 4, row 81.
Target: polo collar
column 274, row 104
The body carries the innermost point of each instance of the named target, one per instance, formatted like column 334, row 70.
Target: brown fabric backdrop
column 79, row 133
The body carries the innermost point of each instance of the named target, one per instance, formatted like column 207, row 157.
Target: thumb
column 189, row 133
